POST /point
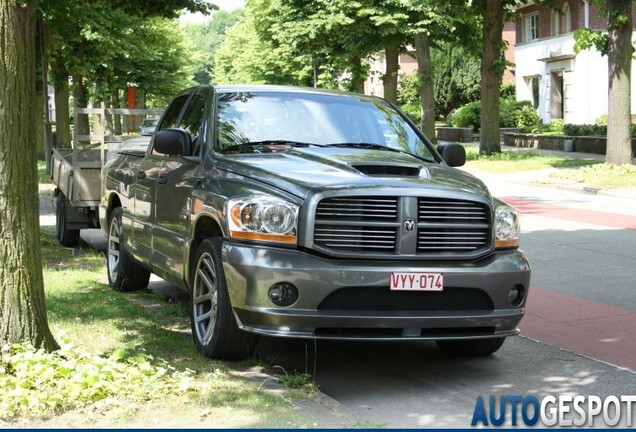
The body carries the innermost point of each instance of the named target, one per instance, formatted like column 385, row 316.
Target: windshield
column 319, row 119
column 150, row 122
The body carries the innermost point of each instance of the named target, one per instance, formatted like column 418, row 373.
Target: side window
column 193, row 117
column 172, row 114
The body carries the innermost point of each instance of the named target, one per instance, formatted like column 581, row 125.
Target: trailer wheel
column 124, row 274
column 66, row 236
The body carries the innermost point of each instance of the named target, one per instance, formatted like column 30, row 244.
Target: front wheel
column 471, row 348
column 124, row 274
column 214, row 328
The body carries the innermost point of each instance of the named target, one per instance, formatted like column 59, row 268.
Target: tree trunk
column 62, row 111
column 492, row 67
column 425, row 70
column 80, row 101
column 619, row 56
column 22, row 305
column 358, row 76
column 390, row 78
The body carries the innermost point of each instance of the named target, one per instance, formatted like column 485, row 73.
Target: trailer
column 76, row 173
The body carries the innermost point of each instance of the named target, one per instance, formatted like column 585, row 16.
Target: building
column 560, row 83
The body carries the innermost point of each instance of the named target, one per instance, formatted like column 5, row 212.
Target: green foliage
column 468, row 115
column 519, row 114
column 35, row 383
column 585, row 130
column 507, row 91
column 585, row 38
column 297, row 380
column 456, row 77
column 408, row 97
column 245, row 58
column 203, row 40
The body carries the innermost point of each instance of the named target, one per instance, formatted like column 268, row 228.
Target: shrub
column 507, row 91
column 511, row 114
column 414, row 112
column 468, row 115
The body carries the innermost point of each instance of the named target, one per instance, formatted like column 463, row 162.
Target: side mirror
column 173, row 142
column 453, row 154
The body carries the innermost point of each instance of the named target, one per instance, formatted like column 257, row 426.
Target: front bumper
column 250, row 271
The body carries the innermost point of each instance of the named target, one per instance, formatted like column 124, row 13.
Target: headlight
column 506, row 226
column 264, row 218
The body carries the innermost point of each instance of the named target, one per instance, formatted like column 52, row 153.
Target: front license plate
column 414, row 281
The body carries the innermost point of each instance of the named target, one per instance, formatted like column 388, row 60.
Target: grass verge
column 602, row 176
column 127, row 361
column 517, row 161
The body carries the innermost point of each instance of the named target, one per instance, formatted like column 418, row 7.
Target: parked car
column 313, row 214
column 149, row 125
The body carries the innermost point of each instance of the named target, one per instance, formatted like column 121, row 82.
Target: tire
column 67, row 237
column 214, row 328
column 471, row 348
column 124, row 274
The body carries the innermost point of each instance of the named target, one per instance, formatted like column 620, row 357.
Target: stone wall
column 454, row 134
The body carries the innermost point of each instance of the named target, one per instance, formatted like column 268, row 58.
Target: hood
column 301, row 170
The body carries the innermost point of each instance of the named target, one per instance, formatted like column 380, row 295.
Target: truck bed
column 80, row 182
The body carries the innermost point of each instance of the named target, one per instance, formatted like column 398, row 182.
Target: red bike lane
column 590, row 328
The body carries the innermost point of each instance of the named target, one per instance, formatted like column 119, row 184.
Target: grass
column 103, row 322
column 43, row 177
column 517, row 161
column 602, row 176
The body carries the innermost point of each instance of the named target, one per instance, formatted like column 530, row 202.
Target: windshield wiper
column 250, row 146
column 375, row 146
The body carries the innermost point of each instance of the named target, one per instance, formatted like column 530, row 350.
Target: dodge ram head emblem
column 409, row 224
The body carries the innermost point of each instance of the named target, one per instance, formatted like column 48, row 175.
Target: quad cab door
column 175, row 183
column 145, row 189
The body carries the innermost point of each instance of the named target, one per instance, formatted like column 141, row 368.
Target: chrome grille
column 447, row 211
column 358, row 209
column 377, row 226
column 354, row 239
column 451, row 227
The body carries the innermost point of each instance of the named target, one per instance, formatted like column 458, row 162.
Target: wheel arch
column 205, row 227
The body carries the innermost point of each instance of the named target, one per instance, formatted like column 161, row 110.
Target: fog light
column 515, row 296
column 283, row 294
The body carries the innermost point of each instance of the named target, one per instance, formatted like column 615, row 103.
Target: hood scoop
column 383, row 170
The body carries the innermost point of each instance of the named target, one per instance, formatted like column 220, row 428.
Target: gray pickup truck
column 312, row 214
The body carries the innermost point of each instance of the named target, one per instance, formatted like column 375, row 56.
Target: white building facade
column 560, row 83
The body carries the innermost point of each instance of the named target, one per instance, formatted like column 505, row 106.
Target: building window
column 531, row 23
column 556, row 23
column 533, row 89
column 562, row 20
column 566, row 19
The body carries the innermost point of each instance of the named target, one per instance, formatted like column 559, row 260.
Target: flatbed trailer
column 76, row 173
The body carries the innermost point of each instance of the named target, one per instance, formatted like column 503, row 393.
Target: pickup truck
column 312, row 214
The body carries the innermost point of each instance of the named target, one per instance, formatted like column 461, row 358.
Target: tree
column 22, row 302
column 617, row 45
column 492, row 68
column 205, row 39
column 245, row 58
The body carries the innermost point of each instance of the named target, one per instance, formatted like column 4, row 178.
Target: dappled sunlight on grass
column 602, row 176
column 519, row 160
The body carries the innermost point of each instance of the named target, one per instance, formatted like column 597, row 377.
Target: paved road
column 578, row 333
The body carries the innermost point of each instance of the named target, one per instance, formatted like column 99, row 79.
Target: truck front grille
column 376, row 226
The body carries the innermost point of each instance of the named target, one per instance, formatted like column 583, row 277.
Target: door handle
column 162, row 179
column 141, row 175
